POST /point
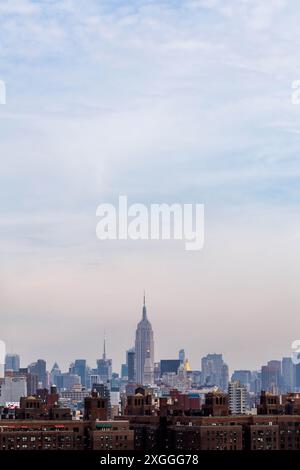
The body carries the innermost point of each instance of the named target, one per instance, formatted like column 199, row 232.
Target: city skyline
column 118, row 369
column 92, row 360
column 277, row 377
column 144, row 343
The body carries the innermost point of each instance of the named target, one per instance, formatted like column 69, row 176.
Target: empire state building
column 144, row 350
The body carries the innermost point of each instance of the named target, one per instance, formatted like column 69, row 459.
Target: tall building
column 80, row 369
column 271, row 379
column 124, row 371
column 39, row 368
column 144, row 349
column 214, row 371
column 237, row 398
column 170, row 365
column 67, row 381
column 130, row 360
column 181, row 356
column 55, row 372
column 31, row 379
column 243, row 376
column 288, row 374
column 104, row 366
column 12, row 390
column 12, row 362
column 224, row 377
column 255, row 382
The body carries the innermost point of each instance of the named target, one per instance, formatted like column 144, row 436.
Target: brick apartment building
column 39, row 424
column 241, row 432
column 275, row 427
column 112, row 435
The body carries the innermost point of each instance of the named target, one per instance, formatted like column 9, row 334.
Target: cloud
column 19, row 7
column 163, row 101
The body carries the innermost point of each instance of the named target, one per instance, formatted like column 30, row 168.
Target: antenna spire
column 144, row 307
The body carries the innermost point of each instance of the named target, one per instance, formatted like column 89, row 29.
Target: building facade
column 144, row 349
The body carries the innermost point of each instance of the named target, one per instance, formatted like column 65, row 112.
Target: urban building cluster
column 150, row 405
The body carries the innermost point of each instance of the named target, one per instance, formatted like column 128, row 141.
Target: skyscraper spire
column 144, row 308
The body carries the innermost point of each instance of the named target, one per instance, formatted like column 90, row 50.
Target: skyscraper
column 214, row 371
column 144, row 349
column 12, row 362
column 55, row 372
column 12, row 390
column 39, row 368
column 130, row 360
column 243, row 376
column 288, row 374
column 237, row 396
column 170, row 365
column 104, row 366
column 224, row 377
column 271, row 377
column 181, row 356
column 80, row 369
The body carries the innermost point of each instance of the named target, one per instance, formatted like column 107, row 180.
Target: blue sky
column 184, row 101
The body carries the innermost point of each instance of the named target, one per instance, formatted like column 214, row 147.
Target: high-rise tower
column 144, row 349
column 104, row 365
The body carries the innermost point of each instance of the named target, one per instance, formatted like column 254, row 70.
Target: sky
column 165, row 102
